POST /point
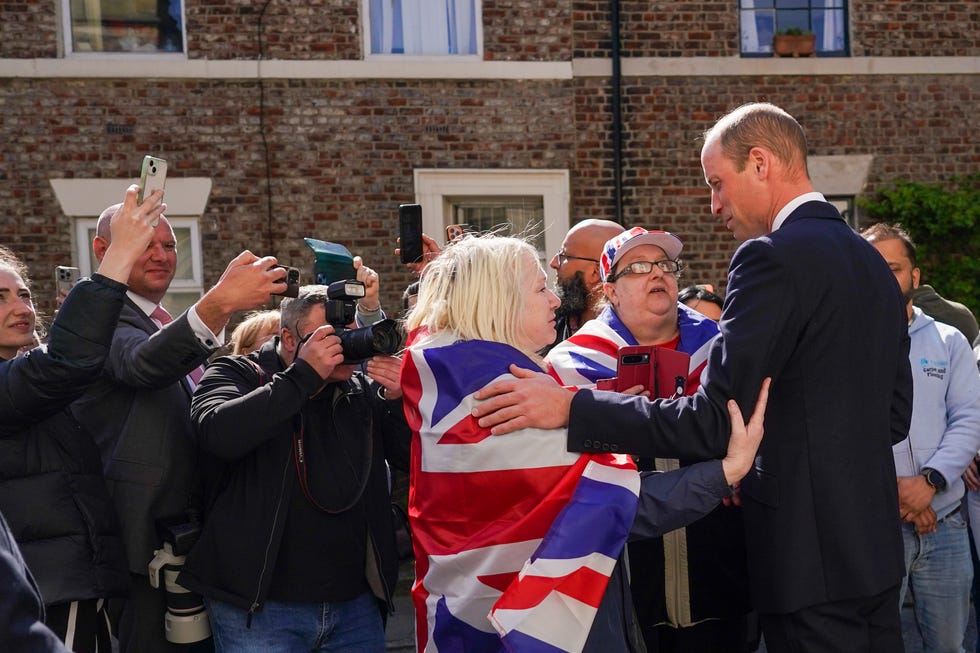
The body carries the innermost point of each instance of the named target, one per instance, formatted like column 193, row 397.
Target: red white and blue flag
column 515, row 537
column 591, row 353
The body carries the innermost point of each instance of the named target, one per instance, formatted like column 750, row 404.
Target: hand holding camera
column 322, row 350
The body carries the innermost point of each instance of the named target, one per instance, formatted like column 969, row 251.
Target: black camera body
column 383, row 338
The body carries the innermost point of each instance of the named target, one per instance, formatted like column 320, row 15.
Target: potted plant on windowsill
column 794, row 42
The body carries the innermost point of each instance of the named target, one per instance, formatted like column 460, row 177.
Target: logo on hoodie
column 934, row 369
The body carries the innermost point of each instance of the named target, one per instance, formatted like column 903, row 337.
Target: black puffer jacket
column 51, row 487
column 247, row 422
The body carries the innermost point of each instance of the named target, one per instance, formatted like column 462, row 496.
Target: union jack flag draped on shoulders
column 591, row 353
column 515, row 538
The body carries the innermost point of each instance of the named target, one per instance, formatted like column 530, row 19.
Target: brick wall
column 520, row 30
column 342, row 152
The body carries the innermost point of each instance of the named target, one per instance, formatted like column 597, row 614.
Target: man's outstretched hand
column 532, row 400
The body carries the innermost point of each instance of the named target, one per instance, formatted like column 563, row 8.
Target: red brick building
column 317, row 118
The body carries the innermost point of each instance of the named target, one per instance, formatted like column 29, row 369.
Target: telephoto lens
column 383, row 338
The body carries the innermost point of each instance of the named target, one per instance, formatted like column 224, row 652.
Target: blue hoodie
column 945, row 430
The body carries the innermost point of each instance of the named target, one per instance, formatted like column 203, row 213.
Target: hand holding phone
column 153, row 176
column 292, row 283
column 410, row 232
column 65, row 278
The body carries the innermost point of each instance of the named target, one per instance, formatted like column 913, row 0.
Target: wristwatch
column 934, row 478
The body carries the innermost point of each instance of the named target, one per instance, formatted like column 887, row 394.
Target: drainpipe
column 617, row 115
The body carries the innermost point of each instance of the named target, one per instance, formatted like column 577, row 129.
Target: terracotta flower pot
column 794, row 45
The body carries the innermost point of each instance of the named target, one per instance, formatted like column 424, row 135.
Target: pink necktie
column 161, row 315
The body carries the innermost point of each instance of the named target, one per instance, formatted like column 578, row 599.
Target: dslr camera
column 363, row 343
column 185, row 620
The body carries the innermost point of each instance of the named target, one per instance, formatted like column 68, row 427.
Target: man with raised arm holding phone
column 139, row 410
column 814, row 306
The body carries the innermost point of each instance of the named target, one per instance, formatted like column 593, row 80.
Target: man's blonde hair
column 761, row 124
column 474, row 289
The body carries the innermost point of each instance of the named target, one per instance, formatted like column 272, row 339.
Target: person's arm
column 962, row 437
column 21, row 625
column 235, row 408
column 759, row 332
column 142, row 360
column 233, row 412
column 367, row 308
column 41, row 383
column 247, row 282
column 385, row 387
column 670, row 500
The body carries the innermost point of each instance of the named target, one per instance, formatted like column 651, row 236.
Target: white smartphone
column 153, row 177
column 64, row 278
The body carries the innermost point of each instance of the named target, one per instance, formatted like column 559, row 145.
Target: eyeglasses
column 564, row 258
column 666, row 266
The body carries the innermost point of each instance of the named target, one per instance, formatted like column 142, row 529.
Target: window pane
column 150, row 26
column 758, row 28
column 828, row 25
column 507, row 216
column 431, row 27
column 826, row 19
column 185, row 265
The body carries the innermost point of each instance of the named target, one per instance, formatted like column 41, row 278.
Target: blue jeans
column 287, row 627
column 940, row 574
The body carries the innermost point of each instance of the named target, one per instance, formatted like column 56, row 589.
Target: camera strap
column 300, row 456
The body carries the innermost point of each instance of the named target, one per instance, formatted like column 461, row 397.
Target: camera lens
column 381, row 338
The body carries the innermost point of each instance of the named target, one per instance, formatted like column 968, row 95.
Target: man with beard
column 942, row 440
column 576, row 264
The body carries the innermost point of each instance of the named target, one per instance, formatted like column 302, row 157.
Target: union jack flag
column 591, row 353
column 515, row 537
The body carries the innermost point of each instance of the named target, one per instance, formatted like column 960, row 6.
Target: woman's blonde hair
column 474, row 289
column 256, row 325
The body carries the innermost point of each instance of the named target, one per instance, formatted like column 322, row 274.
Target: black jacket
column 247, row 423
column 51, row 486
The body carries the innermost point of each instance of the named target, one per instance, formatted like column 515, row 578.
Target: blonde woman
column 257, row 329
column 516, row 540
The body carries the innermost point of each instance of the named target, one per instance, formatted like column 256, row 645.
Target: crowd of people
column 164, row 491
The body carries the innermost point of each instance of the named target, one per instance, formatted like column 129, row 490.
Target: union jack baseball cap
column 616, row 248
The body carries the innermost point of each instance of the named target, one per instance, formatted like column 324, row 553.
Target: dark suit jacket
column 815, row 307
column 139, row 413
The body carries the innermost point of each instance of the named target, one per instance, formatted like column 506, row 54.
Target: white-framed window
column 760, row 20
column 127, row 26
column 532, row 203
column 841, row 178
column 422, row 27
column 188, row 284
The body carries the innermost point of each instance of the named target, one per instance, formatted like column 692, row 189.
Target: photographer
column 53, row 494
column 298, row 524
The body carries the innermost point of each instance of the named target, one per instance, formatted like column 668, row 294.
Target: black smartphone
column 292, row 283
column 410, row 232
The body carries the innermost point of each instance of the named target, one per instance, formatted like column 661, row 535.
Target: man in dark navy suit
column 810, row 304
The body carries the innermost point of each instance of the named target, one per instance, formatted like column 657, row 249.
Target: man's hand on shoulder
column 532, row 400
column 246, row 283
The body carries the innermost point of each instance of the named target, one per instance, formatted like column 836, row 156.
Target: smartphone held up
column 153, row 176
column 65, row 277
column 410, row 232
